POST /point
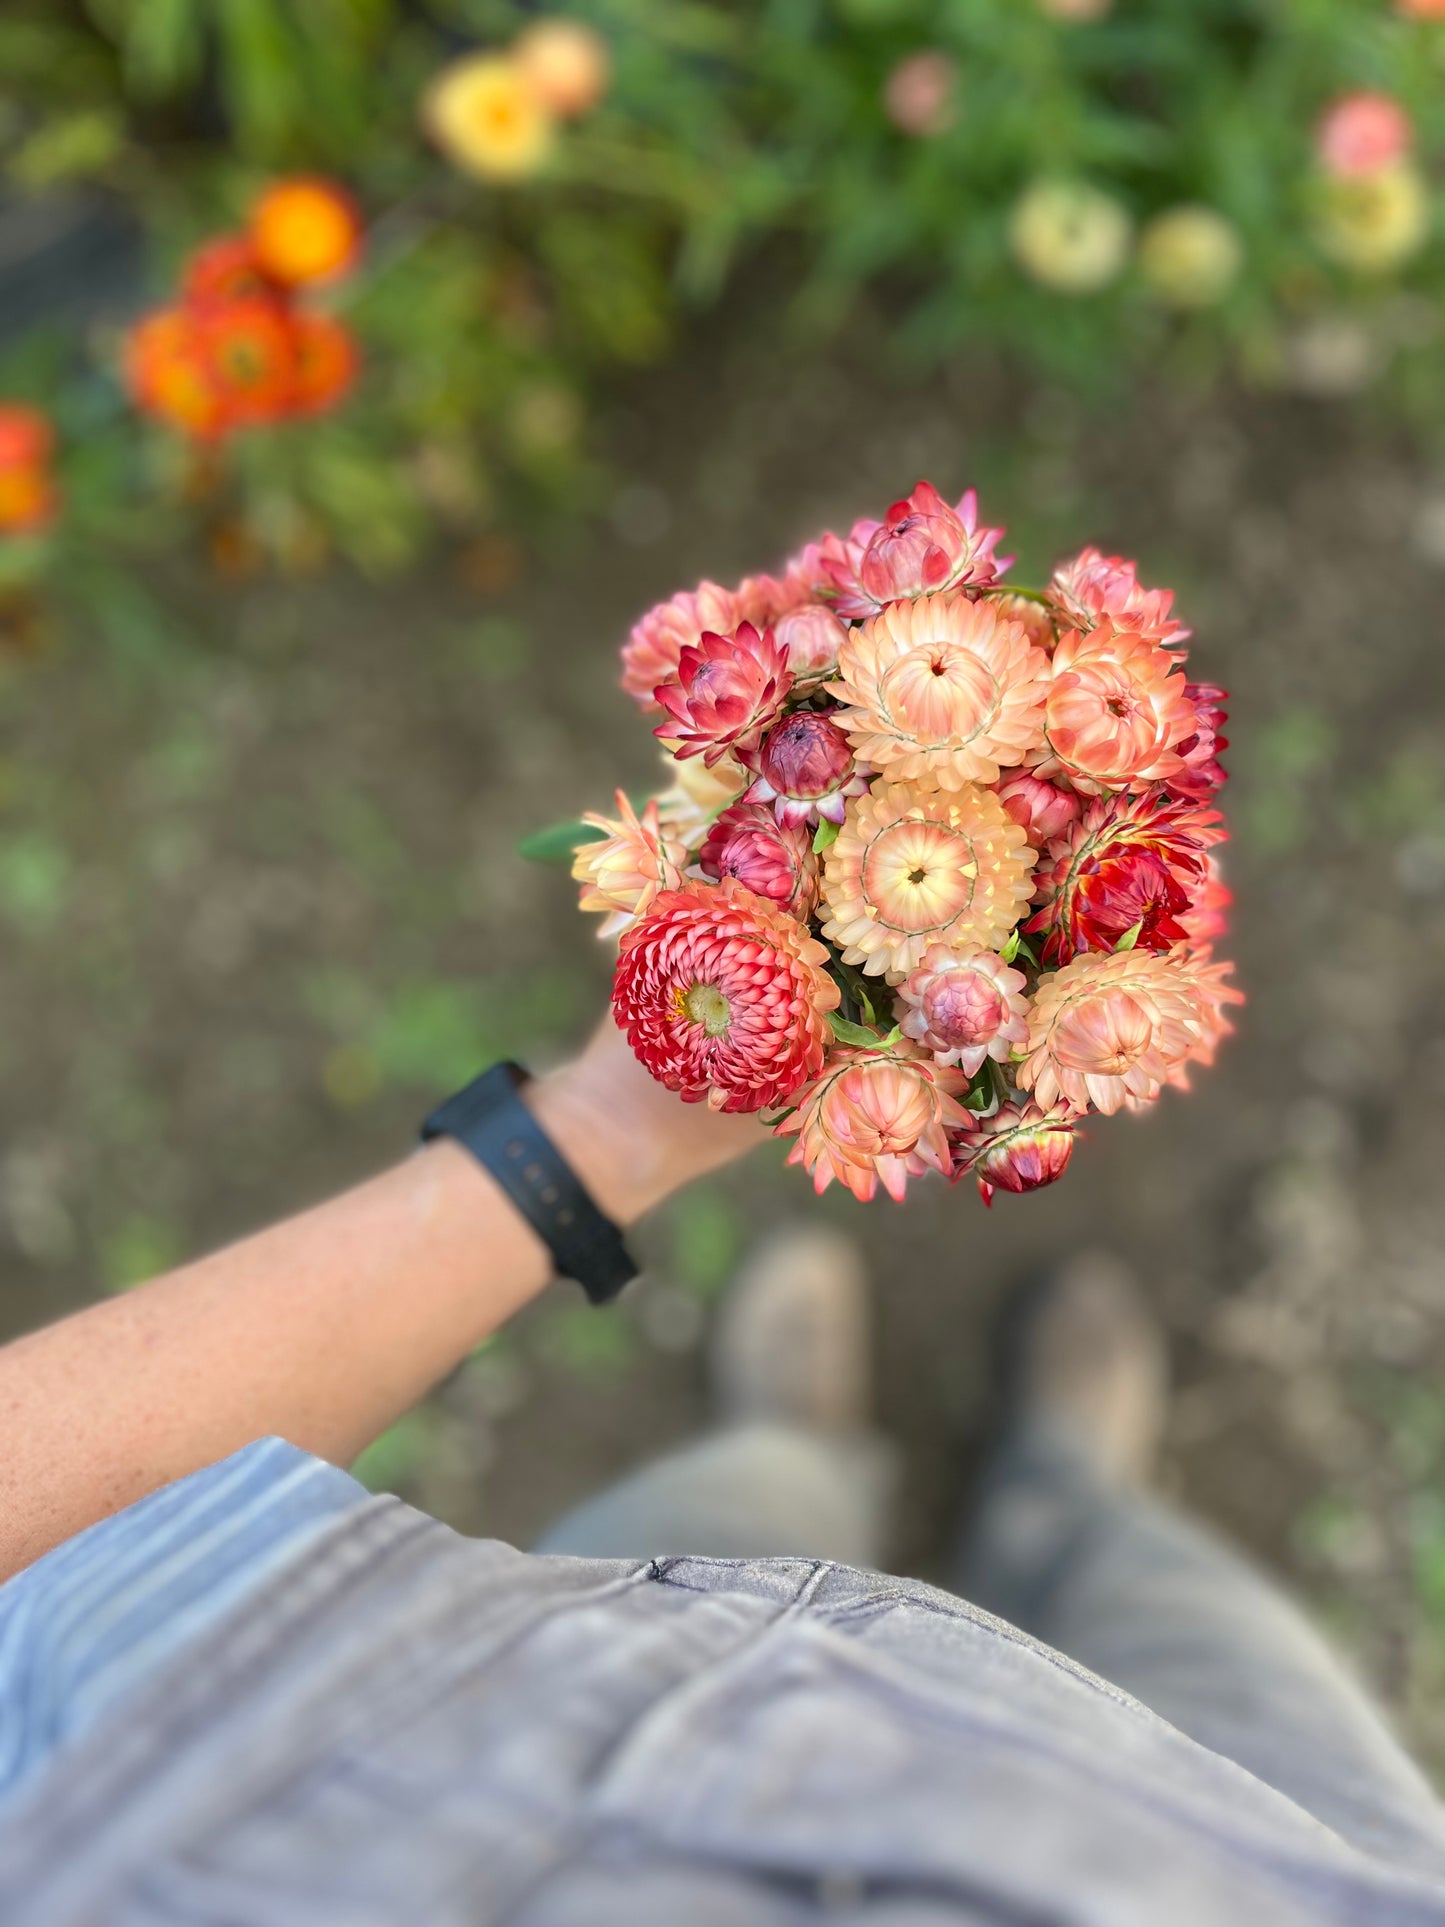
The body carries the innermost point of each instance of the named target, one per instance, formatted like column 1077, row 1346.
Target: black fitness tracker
column 490, row 1119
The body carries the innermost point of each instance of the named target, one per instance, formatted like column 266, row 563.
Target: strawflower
column 724, row 997
column 695, row 794
column 486, row 115
column 964, row 1005
column 940, row 689
column 812, row 635
column 1042, row 810
column 304, row 230
column 1092, row 585
column 727, row 691
column 1019, row 1148
column 1116, row 712
column 1203, row 773
column 1104, row 1031
column 653, row 649
column 772, row 859
column 913, row 867
column 921, row 545
column 623, row 872
column 222, row 269
column 325, row 363
column 873, row 1117
column 806, row 770
column 169, row 372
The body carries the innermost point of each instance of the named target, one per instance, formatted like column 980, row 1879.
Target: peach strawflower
column 1037, row 617
column 652, row 651
column 874, row 1116
column 623, row 872
column 941, row 689
column 568, row 64
column 724, row 997
column 1117, row 711
column 1106, row 1030
column 1093, row 585
column 305, row 230
column 487, row 117
column 964, row 1005
column 912, row 867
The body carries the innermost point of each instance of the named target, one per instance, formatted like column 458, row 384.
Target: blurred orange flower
column 326, row 361
column 305, row 230
column 568, row 64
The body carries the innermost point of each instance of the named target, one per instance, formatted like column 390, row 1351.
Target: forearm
column 323, row 1329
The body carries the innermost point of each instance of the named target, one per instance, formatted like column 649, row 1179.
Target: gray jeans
column 1117, row 1581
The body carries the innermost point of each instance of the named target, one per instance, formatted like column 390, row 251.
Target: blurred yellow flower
column 1190, row 256
column 1373, row 222
column 485, row 114
column 1069, row 236
column 567, row 63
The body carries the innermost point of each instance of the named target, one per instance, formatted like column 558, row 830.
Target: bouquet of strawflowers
column 935, row 875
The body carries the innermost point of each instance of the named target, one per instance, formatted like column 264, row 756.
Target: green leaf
column 825, row 835
column 1010, row 949
column 1021, row 947
column 847, row 1033
column 1129, row 938
column 556, row 844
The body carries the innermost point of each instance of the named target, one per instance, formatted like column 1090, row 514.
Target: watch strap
column 490, row 1119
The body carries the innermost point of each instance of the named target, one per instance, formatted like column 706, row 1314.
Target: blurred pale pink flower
column 920, row 95
column 1362, row 133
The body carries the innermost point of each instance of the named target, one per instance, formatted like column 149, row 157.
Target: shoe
column 1086, row 1355
column 792, row 1342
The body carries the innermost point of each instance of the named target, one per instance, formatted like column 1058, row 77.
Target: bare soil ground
column 260, row 905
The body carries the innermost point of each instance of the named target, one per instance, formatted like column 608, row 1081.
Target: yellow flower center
column 704, row 1004
column 918, row 876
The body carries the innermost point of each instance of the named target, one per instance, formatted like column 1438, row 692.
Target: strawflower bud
column 805, row 769
column 1019, row 1148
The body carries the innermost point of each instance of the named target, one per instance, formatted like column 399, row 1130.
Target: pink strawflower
column 1203, row 773
column 920, row 95
column 1117, row 711
column 623, row 871
column 964, row 1005
column 871, row 1117
column 922, row 545
column 805, row 769
column 769, row 858
column 812, row 636
column 1043, row 810
column 1362, row 133
column 652, row 651
column 1093, row 586
column 1019, row 1148
column 727, row 691
column 1130, row 864
column 1108, row 1030
column 724, row 997
column 940, row 689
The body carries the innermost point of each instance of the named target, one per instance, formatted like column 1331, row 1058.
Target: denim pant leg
column 750, row 1491
column 1158, row 1606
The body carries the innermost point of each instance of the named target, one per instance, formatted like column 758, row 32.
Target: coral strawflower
column 624, row 871
column 1207, row 916
column 1107, row 1030
column 567, row 62
column 223, row 269
column 874, row 1116
column 653, row 649
column 486, row 115
column 772, row 859
column 1132, row 864
column 325, row 362
column 1093, row 585
column 805, row 769
column 1019, row 1148
column 727, row 691
column 305, row 230
column 964, row 1004
column 921, row 546
column 941, row 689
column 1117, row 711
column 724, row 997
column 912, row 867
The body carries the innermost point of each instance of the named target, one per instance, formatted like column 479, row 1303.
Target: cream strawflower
column 1106, row 1031
column 871, row 1116
column 698, row 795
column 941, row 689
column 914, row 867
column 622, row 872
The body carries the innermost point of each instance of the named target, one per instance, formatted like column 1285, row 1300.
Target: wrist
column 625, row 1165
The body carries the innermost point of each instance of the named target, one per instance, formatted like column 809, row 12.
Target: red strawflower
column 727, row 691
column 1203, row 773
column 1130, row 862
column 772, row 859
column 223, row 269
column 805, row 769
column 724, row 997
column 325, row 361
column 1019, row 1148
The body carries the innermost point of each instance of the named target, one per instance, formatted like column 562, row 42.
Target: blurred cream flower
column 568, row 64
column 1069, row 236
column 486, row 115
column 1373, row 222
column 1190, row 256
